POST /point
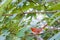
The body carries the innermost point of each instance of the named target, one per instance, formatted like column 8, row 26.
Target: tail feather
column 44, row 26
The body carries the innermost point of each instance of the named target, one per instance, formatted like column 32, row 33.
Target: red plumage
column 37, row 30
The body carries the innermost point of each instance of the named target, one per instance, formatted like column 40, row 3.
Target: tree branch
column 31, row 12
column 49, row 28
column 54, row 28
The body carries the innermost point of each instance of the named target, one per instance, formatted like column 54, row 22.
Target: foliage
column 18, row 16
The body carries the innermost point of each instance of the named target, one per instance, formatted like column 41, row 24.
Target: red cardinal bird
column 37, row 30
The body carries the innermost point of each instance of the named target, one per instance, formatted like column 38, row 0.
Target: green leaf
column 31, row 14
column 49, row 14
column 56, row 37
column 4, row 5
column 22, row 30
column 29, row 38
column 53, row 18
column 53, row 21
column 55, row 7
column 19, row 16
column 37, row 7
column 12, row 37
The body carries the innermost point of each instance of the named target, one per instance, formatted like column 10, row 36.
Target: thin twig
column 54, row 28
column 7, row 14
column 31, row 12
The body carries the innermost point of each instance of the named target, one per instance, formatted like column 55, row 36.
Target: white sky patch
column 2, row 37
column 42, row 10
column 40, row 17
column 31, row 9
column 47, row 4
column 14, row 1
column 27, row 3
column 3, row 1
column 36, row 4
